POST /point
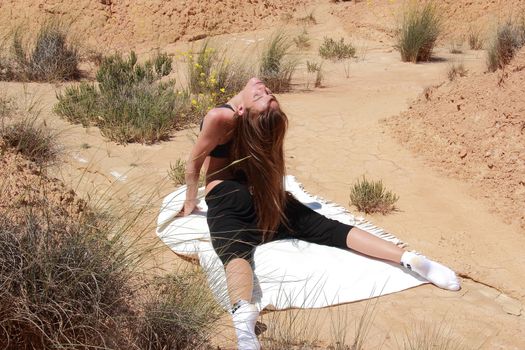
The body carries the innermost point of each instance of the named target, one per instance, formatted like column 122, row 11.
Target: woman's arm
column 214, row 129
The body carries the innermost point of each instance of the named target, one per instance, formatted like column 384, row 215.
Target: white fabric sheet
column 289, row 273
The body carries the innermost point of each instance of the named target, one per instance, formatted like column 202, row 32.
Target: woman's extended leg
column 371, row 245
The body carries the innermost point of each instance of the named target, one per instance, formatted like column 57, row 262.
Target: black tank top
column 221, row 151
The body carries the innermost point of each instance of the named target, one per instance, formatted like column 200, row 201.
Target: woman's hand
column 189, row 206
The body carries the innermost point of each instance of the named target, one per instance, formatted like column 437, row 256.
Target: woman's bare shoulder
column 219, row 118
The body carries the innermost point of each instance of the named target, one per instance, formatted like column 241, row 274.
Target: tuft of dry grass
column 456, row 70
column 277, row 66
column 317, row 69
column 418, row 31
column 475, row 40
column 336, row 50
column 302, row 41
column 435, row 336
column 372, row 196
column 509, row 38
column 51, row 57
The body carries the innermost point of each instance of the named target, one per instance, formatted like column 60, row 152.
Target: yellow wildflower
column 202, row 74
column 194, row 102
column 213, row 81
column 223, row 90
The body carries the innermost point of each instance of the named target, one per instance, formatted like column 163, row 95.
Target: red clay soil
column 24, row 187
column 474, row 128
column 124, row 24
column 377, row 19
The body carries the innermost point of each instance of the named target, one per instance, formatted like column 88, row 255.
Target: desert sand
column 377, row 122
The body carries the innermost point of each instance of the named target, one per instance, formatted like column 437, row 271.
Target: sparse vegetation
column 71, row 277
column 425, row 336
column 419, row 28
column 179, row 313
column 213, row 78
column 456, row 70
column 372, row 196
column 21, row 132
column 177, row 172
column 52, row 57
column 475, row 41
column 302, row 41
column 309, row 19
column 456, row 47
column 317, row 69
column 131, row 104
column 276, row 65
column 509, row 38
column 336, row 50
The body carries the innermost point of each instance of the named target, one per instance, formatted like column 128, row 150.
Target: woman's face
column 256, row 97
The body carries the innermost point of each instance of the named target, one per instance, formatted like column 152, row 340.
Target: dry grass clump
column 418, row 31
column 456, row 47
column 52, row 57
column 130, row 104
column 372, row 196
column 426, row 336
column 21, row 132
column 336, row 50
column 509, row 38
column 63, row 285
column 302, row 41
column 456, row 70
column 276, row 64
column 314, row 68
column 179, row 313
column 71, row 274
column 475, row 40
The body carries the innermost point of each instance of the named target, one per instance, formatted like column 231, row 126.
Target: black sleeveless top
column 221, row 151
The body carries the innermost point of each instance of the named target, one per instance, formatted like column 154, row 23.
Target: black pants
column 233, row 223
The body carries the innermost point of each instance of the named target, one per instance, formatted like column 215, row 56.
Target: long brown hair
column 258, row 143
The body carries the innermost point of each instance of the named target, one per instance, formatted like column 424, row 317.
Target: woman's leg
column 371, row 245
column 239, row 278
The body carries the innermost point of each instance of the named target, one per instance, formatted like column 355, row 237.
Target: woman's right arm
column 213, row 128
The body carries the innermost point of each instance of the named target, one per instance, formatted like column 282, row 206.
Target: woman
column 241, row 148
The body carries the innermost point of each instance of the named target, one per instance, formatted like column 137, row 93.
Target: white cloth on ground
column 289, row 273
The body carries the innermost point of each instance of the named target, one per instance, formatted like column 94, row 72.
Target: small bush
column 302, row 41
column 33, row 140
column 336, row 50
column 371, row 197
column 475, row 42
column 179, row 313
column 418, row 32
column 213, row 78
column 509, row 38
column 317, row 69
column 131, row 104
column 276, row 66
column 456, row 70
column 50, row 58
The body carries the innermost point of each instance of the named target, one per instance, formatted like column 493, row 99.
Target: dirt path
column 336, row 136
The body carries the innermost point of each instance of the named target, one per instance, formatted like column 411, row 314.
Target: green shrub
column 456, row 70
column 371, row 197
column 50, row 58
column 509, row 38
column 419, row 29
column 336, row 50
column 276, row 65
column 131, row 104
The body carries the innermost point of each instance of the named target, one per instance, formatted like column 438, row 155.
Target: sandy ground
column 337, row 134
